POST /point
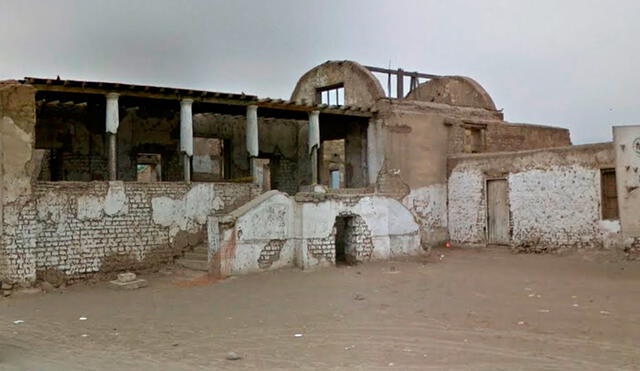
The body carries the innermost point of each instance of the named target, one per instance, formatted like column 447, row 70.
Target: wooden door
column 498, row 212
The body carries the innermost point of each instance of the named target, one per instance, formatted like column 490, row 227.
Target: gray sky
column 565, row 63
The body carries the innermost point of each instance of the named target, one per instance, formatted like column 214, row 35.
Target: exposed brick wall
column 69, row 226
column 323, row 248
column 80, row 167
column 284, row 175
column 357, row 238
column 504, row 137
column 270, row 253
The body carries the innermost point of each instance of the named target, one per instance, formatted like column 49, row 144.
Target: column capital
column 186, row 101
column 112, row 96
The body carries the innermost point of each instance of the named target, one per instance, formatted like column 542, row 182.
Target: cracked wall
column 553, row 196
column 83, row 229
column 274, row 231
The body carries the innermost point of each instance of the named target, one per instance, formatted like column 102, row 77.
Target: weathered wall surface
column 391, row 227
column 99, row 227
column 501, row 136
column 554, row 196
column 274, row 231
column 453, row 90
column 257, row 236
column 17, row 112
column 361, row 88
column 17, row 126
column 627, row 149
column 414, row 165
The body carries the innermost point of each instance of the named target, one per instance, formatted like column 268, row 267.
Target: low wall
column 86, row 228
column 554, row 197
column 275, row 231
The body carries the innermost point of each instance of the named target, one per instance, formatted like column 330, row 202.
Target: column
column 314, row 143
column 252, row 140
column 111, row 125
column 186, row 136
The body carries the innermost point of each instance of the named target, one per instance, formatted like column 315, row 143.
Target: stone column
column 112, row 122
column 186, row 136
column 252, row 139
column 314, row 144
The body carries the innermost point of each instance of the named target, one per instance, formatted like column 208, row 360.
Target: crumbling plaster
column 554, row 196
column 88, row 228
column 275, row 220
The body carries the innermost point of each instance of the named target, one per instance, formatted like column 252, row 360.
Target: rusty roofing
column 157, row 92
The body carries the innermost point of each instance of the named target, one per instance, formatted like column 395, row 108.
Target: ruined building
column 101, row 177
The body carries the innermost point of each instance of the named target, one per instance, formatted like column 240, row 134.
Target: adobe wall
column 502, row 136
column 88, row 228
column 627, row 149
column 410, row 144
column 554, row 197
column 17, row 119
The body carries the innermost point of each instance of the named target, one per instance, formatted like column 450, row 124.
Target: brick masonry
column 357, row 238
column 270, row 253
column 91, row 228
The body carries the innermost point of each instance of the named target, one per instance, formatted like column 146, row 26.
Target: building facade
column 104, row 177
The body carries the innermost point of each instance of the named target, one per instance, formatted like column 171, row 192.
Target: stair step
column 196, row 255
column 202, row 249
column 196, row 265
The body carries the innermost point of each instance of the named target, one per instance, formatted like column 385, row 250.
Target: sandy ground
column 473, row 310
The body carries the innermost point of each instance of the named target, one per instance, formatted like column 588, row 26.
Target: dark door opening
column 345, row 244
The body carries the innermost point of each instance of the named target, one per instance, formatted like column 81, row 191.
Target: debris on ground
column 128, row 281
column 358, row 297
column 6, row 288
column 233, row 356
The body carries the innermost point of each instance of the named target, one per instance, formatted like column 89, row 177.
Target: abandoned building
column 103, row 177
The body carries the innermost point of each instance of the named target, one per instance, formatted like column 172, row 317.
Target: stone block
column 126, row 277
column 130, row 285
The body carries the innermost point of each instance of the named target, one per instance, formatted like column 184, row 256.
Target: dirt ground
column 471, row 310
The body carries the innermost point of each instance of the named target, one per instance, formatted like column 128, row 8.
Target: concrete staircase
column 195, row 260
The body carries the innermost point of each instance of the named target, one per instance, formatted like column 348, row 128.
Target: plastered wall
column 275, row 230
column 627, row 149
column 554, row 197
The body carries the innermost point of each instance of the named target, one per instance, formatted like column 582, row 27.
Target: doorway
column 498, row 226
column 345, row 244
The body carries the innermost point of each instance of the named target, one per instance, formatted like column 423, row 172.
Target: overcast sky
column 564, row 63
